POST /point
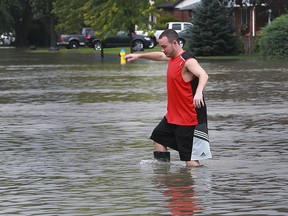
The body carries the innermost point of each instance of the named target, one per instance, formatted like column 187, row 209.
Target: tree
column 273, row 43
column 212, row 31
column 104, row 16
column 22, row 16
column 6, row 20
column 69, row 13
column 110, row 16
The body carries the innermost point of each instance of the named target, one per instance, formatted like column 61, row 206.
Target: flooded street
column 74, row 138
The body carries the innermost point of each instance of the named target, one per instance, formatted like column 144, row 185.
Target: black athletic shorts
column 177, row 137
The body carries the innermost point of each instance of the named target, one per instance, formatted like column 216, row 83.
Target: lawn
column 116, row 51
column 90, row 50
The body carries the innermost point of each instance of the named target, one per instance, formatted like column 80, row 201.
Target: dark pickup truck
column 73, row 41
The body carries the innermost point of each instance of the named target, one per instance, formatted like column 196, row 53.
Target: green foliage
column 109, row 16
column 273, row 41
column 19, row 17
column 212, row 32
column 113, row 15
column 69, row 14
column 6, row 20
column 12, row 11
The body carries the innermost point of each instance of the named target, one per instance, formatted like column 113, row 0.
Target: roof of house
column 170, row 4
column 180, row 4
column 191, row 6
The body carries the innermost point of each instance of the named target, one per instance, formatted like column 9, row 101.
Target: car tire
column 97, row 45
column 152, row 45
column 154, row 39
column 181, row 42
column 73, row 45
column 138, row 43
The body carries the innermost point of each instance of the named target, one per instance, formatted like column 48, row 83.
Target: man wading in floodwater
column 184, row 127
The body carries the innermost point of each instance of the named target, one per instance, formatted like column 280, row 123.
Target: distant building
column 180, row 9
column 248, row 19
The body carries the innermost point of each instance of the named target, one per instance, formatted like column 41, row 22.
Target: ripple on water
column 74, row 139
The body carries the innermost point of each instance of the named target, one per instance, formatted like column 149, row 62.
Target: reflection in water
column 178, row 187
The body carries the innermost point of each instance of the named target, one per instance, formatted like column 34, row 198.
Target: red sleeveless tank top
column 180, row 108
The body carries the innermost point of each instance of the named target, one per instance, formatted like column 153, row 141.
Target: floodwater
column 74, row 138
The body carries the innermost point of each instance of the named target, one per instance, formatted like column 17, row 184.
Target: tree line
column 37, row 22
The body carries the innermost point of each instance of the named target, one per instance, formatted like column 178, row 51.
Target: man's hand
column 198, row 100
column 131, row 57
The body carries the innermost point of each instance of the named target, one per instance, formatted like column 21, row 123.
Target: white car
column 7, row 38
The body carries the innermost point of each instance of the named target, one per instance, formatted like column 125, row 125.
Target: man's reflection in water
column 178, row 187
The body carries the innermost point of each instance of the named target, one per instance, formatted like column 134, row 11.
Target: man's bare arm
column 156, row 56
column 193, row 67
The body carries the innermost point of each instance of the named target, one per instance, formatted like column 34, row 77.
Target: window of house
column 244, row 16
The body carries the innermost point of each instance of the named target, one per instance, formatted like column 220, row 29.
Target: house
column 248, row 19
column 180, row 9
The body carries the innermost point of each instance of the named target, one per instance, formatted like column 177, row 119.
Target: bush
column 273, row 41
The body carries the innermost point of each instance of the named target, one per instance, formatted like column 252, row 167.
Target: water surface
column 74, row 138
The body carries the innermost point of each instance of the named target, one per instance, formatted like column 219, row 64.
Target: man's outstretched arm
column 156, row 56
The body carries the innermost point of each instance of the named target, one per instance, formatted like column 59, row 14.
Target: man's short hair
column 170, row 34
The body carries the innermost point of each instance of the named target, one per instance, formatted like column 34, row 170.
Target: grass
column 91, row 50
column 116, row 51
column 232, row 57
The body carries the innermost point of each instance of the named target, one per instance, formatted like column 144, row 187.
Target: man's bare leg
column 193, row 163
column 159, row 147
column 161, row 153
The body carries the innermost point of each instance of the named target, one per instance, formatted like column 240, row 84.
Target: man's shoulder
column 187, row 55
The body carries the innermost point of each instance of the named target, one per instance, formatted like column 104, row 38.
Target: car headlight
column 147, row 38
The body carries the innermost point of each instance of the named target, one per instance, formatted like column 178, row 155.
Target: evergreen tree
column 212, row 31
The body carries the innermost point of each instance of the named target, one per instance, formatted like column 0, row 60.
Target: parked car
column 7, row 38
column 71, row 41
column 184, row 35
column 121, row 39
column 177, row 26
